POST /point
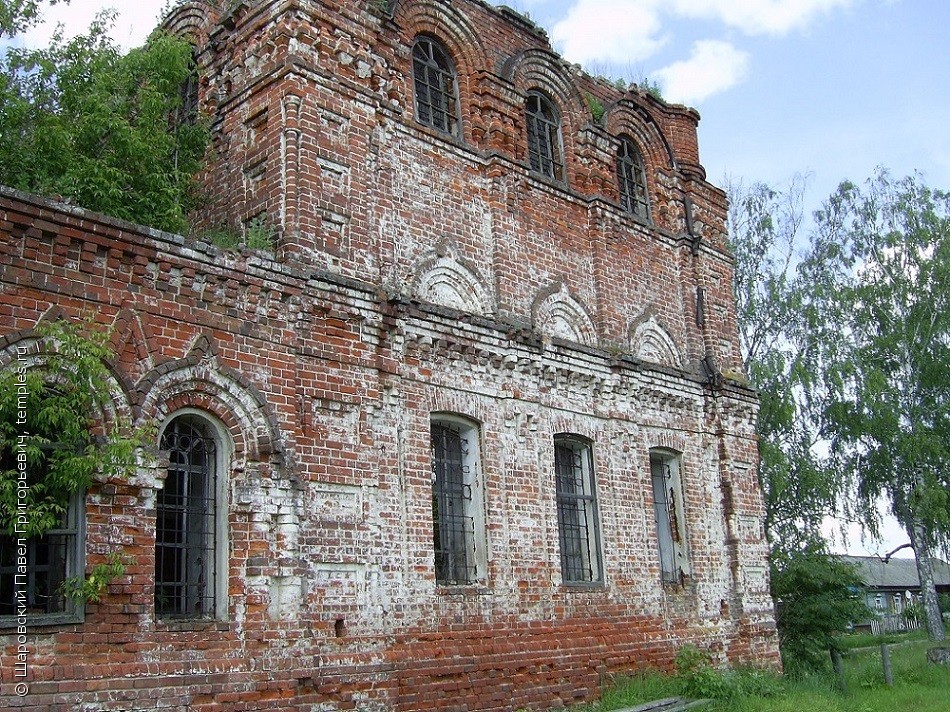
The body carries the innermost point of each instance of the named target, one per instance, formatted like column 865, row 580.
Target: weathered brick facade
column 417, row 272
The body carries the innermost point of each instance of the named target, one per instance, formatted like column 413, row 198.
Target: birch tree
column 878, row 308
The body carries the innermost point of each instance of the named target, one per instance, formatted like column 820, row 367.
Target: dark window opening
column 576, row 511
column 436, row 87
column 50, row 559
column 453, row 505
column 632, row 178
column 544, row 137
column 185, row 527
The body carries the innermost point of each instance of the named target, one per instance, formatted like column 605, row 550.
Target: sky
column 830, row 89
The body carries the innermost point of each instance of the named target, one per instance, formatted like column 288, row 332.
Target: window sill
column 188, row 625
column 583, row 587
column 472, row 589
column 10, row 623
column 558, row 183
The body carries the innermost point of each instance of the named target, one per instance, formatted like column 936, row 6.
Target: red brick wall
column 414, row 274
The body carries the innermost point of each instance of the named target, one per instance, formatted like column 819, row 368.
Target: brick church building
column 473, row 435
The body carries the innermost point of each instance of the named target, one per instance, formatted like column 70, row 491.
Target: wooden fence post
column 838, row 665
column 886, row 661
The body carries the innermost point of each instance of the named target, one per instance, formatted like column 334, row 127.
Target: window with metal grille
column 456, row 521
column 50, row 559
column 667, row 512
column 436, row 86
column 578, row 527
column 185, row 527
column 544, row 137
column 632, row 178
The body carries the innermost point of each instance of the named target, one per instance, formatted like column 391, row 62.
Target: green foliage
column 47, row 412
column 51, row 409
column 596, row 107
column 85, row 123
column 817, row 598
column 18, row 15
column 223, row 237
column 879, row 263
column 800, row 489
column 259, row 235
column 914, row 612
column 917, row 685
column 699, row 678
column 91, row 587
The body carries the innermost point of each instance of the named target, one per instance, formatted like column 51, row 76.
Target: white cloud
column 133, row 23
column 713, row 66
column 754, row 17
column 610, row 30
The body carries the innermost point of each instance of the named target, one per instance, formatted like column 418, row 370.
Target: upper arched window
column 632, row 179
column 436, row 86
column 544, row 137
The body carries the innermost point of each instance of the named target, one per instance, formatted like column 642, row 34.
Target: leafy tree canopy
column 50, row 409
column 848, row 343
column 81, row 121
column 800, row 489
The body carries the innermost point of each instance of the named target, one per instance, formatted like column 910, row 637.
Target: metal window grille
column 453, row 524
column 664, row 512
column 544, row 137
column 576, row 512
column 50, row 560
column 436, row 87
column 632, row 178
column 185, row 531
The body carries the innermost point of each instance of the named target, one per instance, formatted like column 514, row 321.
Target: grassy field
column 919, row 686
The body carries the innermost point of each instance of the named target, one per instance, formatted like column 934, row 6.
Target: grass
column 919, row 686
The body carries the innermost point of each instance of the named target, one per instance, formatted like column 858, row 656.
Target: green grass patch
column 919, row 686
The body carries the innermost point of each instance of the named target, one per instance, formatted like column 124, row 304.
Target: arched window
column 436, row 87
column 577, row 520
column 544, row 137
column 457, row 520
column 189, row 533
column 632, row 179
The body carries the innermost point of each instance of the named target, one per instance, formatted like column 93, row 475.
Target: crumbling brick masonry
column 473, row 436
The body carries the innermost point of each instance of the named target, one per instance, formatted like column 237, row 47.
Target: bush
column 818, row 600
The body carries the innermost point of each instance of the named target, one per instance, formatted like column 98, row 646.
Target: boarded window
column 668, row 515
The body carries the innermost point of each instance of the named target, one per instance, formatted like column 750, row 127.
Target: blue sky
column 829, row 88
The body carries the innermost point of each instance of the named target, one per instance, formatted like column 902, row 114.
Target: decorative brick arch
column 649, row 341
column 542, row 70
column 557, row 313
column 455, row 32
column 192, row 19
column 450, row 27
column 29, row 346
column 199, row 381
column 442, row 277
column 628, row 117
